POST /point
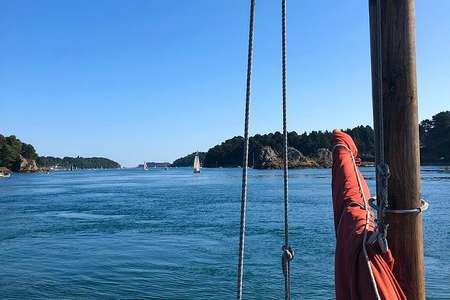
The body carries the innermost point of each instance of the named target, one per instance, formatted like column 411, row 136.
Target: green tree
column 435, row 138
column 188, row 160
column 28, row 152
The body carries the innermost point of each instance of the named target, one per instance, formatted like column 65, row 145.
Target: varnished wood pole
column 401, row 135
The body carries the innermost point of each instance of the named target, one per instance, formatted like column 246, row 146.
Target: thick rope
column 245, row 154
column 366, row 226
column 288, row 253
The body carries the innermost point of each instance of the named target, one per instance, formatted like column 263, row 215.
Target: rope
column 245, row 154
column 382, row 170
column 288, row 253
column 423, row 207
column 380, row 84
column 366, row 226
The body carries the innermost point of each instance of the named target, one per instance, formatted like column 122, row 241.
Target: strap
column 423, row 207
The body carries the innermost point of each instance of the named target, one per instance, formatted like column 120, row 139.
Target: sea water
column 171, row 234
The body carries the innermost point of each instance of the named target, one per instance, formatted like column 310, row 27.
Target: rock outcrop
column 324, row 158
column 298, row 160
column 268, row 158
column 27, row 165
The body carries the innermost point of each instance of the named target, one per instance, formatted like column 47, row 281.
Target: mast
column 400, row 135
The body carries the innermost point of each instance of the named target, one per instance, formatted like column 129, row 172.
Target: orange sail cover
column 351, row 213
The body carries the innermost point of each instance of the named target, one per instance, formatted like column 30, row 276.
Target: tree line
column 434, row 143
column 188, row 160
column 12, row 149
column 435, row 138
column 77, row 162
column 229, row 153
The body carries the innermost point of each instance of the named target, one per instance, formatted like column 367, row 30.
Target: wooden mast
column 401, row 135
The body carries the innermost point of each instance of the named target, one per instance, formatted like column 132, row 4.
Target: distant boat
column 4, row 172
column 145, row 166
column 196, row 166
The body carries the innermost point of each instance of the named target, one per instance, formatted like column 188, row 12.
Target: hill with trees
column 11, row 151
column 77, row 162
column 14, row 155
column 229, row 153
column 434, row 138
column 188, row 160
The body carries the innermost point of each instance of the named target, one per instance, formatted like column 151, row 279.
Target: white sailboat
column 145, row 166
column 196, row 166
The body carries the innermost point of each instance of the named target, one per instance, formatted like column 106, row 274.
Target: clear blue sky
column 155, row 80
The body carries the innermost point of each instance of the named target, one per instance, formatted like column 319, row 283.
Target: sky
column 152, row 80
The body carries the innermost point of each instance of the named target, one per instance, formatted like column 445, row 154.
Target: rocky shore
column 28, row 165
column 268, row 158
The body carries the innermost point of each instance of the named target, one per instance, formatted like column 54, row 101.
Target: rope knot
column 288, row 252
column 286, row 257
column 383, row 170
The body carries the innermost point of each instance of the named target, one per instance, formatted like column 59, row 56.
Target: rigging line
column 245, row 152
column 382, row 170
column 380, row 85
column 288, row 253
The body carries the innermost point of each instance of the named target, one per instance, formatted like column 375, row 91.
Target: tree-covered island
column 313, row 149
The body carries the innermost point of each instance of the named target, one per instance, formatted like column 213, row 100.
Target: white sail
column 145, row 165
column 196, row 164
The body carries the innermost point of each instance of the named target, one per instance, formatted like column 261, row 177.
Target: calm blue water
column 169, row 234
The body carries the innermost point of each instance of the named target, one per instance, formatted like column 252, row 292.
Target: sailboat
column 196, row 166
column 145, row 166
